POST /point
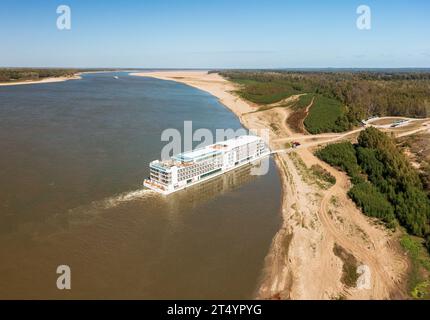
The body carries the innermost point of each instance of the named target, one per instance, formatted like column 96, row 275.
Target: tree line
column 364, row 93
column 8, row 74
column 386, row 186
column 22, row 74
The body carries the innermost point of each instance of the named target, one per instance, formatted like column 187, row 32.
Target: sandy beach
column 46, row 80
column 302, row 262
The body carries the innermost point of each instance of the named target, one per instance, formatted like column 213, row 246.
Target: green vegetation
column 313, row 175
column 304, row 101
column 348, row 96
column 23, row 74
column 326, row 115
column 425, row 176
column 386, row 186
column 262, row 92
column 372, row 202
column 342, row 155
column 415, row 248
column 428, row 243
column 418, row 277
column 390, row 171
column 350, row 264
column 10, row 75
column 419, row 146
column 393, row 181
column 323, row 175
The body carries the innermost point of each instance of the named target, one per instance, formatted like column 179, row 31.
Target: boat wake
column 115, row 201
column 87, row 213
column 112, row 202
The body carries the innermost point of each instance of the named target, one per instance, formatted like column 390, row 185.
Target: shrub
column 326, row 115
column 372, row 202
column 391, row 173
column 428, row 243
column 341, row 155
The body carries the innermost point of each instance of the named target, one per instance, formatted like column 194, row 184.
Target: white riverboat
column 192, row 167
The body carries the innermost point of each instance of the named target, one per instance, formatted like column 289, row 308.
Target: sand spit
column 46, row 80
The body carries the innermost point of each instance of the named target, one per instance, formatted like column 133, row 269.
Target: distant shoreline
column 45, row 80
column 76, row 76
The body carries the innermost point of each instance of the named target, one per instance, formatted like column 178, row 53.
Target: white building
column 189, row 168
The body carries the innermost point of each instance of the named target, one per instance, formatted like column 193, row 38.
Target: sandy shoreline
column 301, row 263
column 46, row 80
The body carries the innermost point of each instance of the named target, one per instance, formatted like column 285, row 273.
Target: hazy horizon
column 216, row 35
column 310, row 69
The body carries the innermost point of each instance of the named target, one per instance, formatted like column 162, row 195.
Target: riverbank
column 304, row 260
column 45, row 80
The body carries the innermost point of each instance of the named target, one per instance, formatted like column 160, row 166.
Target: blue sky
column 215, row 34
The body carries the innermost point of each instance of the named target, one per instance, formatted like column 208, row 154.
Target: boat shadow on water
column 208, row 190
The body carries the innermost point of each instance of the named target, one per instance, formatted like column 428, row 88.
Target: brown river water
column 73, row 157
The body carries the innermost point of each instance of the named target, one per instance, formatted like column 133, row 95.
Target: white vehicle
column 399, row 123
